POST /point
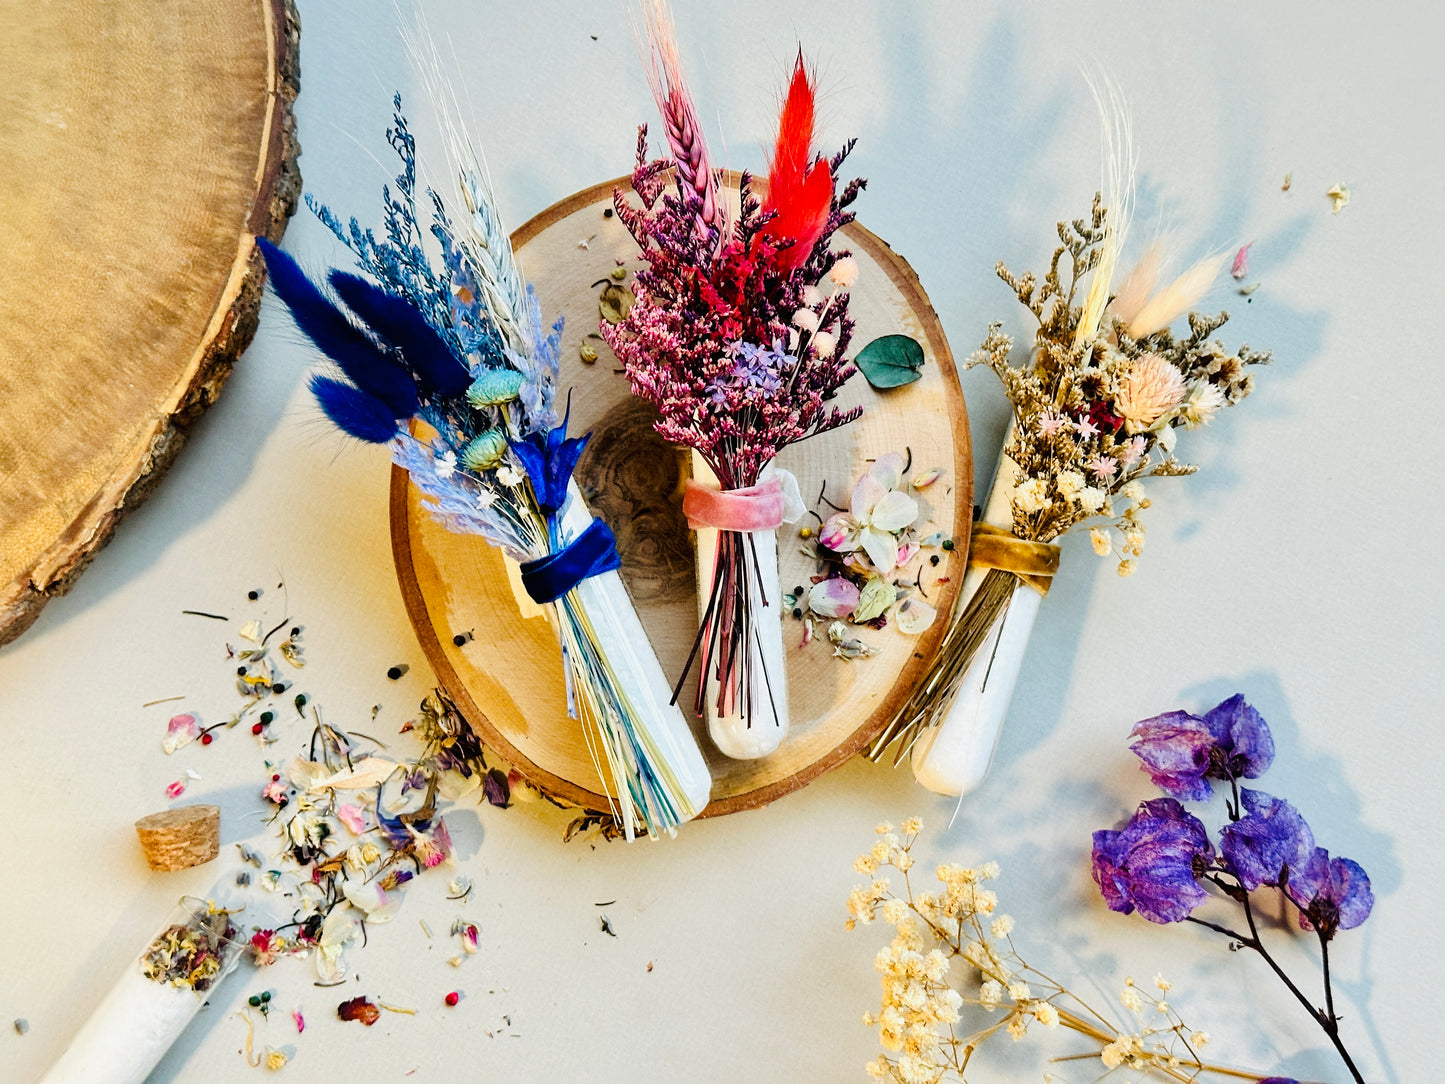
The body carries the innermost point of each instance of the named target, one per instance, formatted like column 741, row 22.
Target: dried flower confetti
column 176, row 789
column 181, row 730
column 359, row 1009
column 1240, row 267
column 1339, row 196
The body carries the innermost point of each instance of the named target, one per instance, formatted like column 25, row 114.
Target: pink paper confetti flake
column 1241, row 261
column 176, row 789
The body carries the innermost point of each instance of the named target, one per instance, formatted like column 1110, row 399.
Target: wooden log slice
column 142, row 145
column 507, row 678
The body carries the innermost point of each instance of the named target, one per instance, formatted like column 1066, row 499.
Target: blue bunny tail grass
column 428, row 356
column 353, row 411
column 337, row 337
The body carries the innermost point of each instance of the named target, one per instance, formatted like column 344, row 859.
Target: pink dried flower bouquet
column 739, row 337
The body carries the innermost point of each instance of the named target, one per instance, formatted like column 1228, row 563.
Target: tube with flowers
column 739, row 337
column 460, row 347
column 1096, row 410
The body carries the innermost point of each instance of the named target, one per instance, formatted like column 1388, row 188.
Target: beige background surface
column 1299, row 567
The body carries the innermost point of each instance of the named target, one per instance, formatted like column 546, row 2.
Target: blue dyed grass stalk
column 649, row 762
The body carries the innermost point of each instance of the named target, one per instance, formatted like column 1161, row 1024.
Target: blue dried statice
column 399, row 263
column 1332, row 894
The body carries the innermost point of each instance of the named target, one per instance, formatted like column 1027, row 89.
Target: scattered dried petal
column 358, row 1008
column 1241, row 261
column 353, row 816
column 176, row 789
column 181, row 730
column 834, row 597
column 877, row 595
column 928, row 477
column 1339, row 198
column 914, row 616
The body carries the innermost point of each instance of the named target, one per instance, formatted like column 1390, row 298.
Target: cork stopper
column 180, row 838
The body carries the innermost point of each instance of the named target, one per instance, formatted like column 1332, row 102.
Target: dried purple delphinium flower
column 1266, row 844
column 1154, row 864
column 1182, row 752
column 1162, row 859
column 1332, row 894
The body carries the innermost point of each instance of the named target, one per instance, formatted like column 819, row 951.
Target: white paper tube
column 761, row 725
column 663, row 731
column 138, row 1020
column 953, row 757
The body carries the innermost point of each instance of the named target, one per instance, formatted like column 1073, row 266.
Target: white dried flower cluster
column 920, row 1009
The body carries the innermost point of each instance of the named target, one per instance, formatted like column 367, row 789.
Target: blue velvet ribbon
column 591, row 553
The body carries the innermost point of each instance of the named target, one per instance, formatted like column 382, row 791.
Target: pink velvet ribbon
column 754, row 508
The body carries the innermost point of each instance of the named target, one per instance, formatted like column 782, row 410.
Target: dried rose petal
column 182, row 730
column 300, row 1020
column 834, row 597
column 358, row 1008
column 353, row 817
column 176, row 789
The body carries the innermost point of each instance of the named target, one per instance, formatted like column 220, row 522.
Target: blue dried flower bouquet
column 458, row 345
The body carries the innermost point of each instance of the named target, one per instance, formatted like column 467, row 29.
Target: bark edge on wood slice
column 237, row 180
column 507, row 679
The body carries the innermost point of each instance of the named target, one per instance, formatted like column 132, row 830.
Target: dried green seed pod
column 485, row 451
column 495, row 387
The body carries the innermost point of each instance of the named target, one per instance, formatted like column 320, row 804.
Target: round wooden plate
column 507, row 678
column 144, row 143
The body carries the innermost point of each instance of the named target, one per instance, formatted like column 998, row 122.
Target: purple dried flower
column 1269, row 842
column 1244, row 746
column 1153, row 864
column 1174, row 749
column 1332, row 893
column 495, row 787
column 1181, row 752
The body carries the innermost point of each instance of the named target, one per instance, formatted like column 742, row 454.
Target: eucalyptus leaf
column 891, row 361
column 615, row 303
column 877, row 596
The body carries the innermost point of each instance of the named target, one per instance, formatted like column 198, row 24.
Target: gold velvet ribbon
column 1033, row 562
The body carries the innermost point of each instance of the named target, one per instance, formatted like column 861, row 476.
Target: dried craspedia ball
column 485, row 451
column 495, row 387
